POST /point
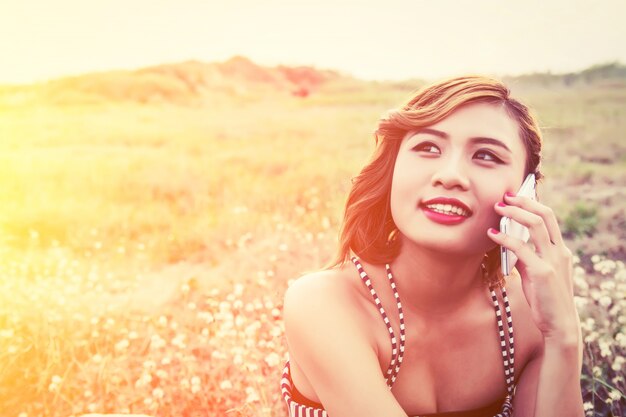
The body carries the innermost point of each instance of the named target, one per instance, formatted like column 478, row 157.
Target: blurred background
column 167, row 169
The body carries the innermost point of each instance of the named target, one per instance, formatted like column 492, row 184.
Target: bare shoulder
column 325, row 282
column 331, row 347
column 323, row 293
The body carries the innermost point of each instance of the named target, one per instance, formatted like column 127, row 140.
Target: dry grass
column 145, row 249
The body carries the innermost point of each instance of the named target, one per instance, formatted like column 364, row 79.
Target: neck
column 433, row 283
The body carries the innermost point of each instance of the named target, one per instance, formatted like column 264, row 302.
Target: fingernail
column 501, row 205
column 509, row 194
column 493, row 231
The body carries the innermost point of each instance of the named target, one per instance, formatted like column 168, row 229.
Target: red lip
column 446, row 200
column 445, row 218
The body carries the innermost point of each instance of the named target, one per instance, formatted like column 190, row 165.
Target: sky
column 384, row 40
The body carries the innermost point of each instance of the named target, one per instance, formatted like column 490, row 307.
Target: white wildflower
column 156, row 342
column 143, row 380
column 276, row 331
column 252, row 395
column 615, row 395
column 605, row 301
column 206, row 316
column 179, row 341
column 216, row 354
column 238, row 289
column 272, row 359
column 605, row 349
column 122, row 345
column 591, row 337
column 607, row 285
column 597, row 371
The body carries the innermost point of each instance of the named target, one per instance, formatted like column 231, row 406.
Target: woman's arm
column 546, row 271
column 550, row 383
column 330, row 343
column 558, row 389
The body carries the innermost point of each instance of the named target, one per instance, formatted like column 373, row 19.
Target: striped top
column 300, row 406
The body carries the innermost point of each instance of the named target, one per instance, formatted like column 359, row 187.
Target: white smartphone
column 514, row 229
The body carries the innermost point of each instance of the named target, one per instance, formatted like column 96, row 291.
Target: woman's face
column 474, row 155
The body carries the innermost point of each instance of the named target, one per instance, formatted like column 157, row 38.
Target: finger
column 545, row 212
column 538, row 232
column 523, row 251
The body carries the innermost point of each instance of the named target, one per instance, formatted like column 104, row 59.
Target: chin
column 453, row 243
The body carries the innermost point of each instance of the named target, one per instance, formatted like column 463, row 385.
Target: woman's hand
column 546, row 270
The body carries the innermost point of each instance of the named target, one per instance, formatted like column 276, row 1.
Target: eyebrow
column 478, row 139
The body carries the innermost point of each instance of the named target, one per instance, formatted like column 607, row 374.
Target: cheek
column 397, row 193
column 406, row 182
column 403, row 187
column 493, row 194
column 496, row 195
column 495, row 184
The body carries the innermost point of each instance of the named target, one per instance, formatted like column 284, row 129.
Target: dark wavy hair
column 368, row 229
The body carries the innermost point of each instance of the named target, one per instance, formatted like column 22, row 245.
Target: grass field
column 145, row 248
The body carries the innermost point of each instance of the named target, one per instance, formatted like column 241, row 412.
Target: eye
column 425, row 146
column 489, row 156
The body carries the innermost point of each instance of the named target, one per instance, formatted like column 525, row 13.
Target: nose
column 451, row 174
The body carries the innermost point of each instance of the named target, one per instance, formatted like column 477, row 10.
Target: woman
column 414, row 316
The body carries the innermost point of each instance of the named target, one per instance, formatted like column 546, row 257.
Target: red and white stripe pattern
column 508, row 357
column 397, row 353
column 295, row 409
column 396, row 358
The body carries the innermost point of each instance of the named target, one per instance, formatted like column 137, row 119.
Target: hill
column 199, row 83
column 179, row 83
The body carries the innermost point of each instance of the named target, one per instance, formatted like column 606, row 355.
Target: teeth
column 448, row 209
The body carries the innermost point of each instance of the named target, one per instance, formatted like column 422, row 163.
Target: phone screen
column 514, row 229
